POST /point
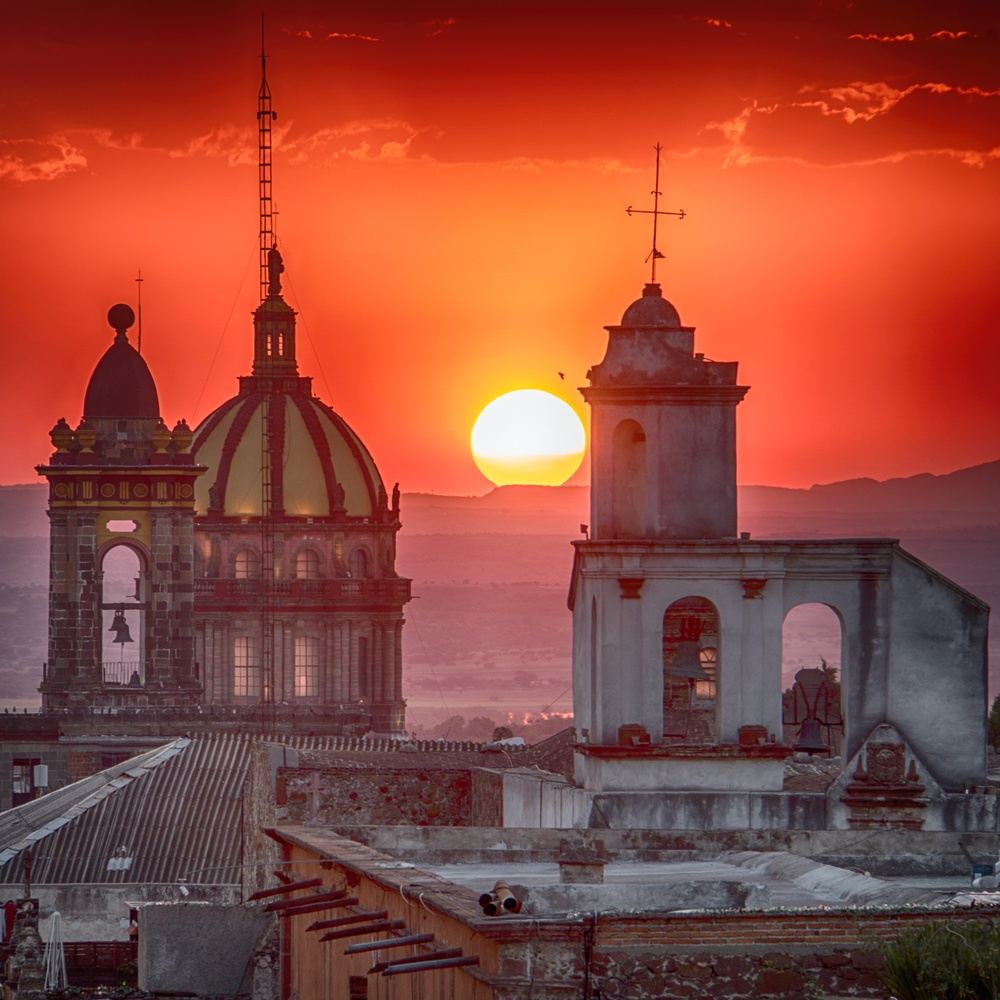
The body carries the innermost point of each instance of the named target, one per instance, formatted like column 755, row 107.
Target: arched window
column 811, row 655
column 246, row 667
column 123, row 614
column 358, row 564
column 628, row 503
column 307, row 565
column 246, row 565
column 690, row 670
column 307, row 656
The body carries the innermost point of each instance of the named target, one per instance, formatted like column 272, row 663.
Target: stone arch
column 692, row 670
column 124, row 588
column 629, row 480
column 813, row 642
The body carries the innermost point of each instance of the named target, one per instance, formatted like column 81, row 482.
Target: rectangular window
column 307, row 649
column 246, row 667
column 23, row 779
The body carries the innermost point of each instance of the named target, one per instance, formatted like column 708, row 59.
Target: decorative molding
column 753, row 587
column 630, row 587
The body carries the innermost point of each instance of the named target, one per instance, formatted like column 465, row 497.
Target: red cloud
column 908, row 37
column 43, row 160
column 353, row 36
column 437, row 25
column 949, row 35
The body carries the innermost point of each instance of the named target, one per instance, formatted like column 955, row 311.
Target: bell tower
column 121, row 517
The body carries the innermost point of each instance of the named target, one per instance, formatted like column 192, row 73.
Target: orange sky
column 452, row 184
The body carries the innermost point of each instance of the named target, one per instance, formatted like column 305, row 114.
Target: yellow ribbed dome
column 319, row 466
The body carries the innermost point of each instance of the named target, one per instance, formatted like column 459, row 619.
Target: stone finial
column 86, row 436
column 182, row 436
column 61, row 435
column 161, row 437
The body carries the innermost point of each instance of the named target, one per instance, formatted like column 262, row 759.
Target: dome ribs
column 352, row 442
column 212, row 422
column 276, row 432
column 233, row 438
column 319, row 442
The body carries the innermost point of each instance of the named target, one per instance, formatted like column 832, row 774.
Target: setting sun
column 528, row 436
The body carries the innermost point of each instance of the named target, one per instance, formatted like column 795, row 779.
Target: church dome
column 652, row 309
column 319, row 466
column 121, row 384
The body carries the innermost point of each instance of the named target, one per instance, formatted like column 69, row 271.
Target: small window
column 307, row 649
column 23, row 779
column 246, row 566
column 358, row 564
column 307, row 565
column 246, row 667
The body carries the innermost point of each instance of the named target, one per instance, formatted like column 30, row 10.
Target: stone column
column 378, row 667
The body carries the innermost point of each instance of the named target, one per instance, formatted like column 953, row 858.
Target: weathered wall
column 202, row 947
column 100, row 912
column 376, row 795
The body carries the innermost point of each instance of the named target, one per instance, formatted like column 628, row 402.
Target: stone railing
column 393, row 590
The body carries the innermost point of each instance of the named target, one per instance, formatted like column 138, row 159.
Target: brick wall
column 386, row 796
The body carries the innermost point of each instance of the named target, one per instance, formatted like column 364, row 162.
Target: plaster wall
column 204, row 948
column 682, row 774
column 905, row 629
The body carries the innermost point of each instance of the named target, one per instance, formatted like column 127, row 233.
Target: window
column 246, row 565
column 246, row 667
column 359, row 564
column 307, row 565
column 306, row 666
column 23, row 779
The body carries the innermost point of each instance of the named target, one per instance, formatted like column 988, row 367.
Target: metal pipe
column 382, row 925
column 280, row 890
column 441, row 963
column 400, row 942
column 431, row 956
column 354, row 918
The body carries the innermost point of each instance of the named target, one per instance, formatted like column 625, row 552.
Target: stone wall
column 377, row 796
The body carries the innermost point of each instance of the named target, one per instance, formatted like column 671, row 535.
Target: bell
column 810, row 740
column 120, row 627
column 686, row 662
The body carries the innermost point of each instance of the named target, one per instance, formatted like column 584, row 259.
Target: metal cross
column 138, row 284
column 655, row 212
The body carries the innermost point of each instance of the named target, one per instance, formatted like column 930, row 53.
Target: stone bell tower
column 120, row 479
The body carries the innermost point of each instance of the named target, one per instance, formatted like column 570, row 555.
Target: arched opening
column 358, row 564
column 628, row 480
column 811, row 657
column 246, row 564
column 307, row 655
column 307, row 565
column 123, row 616
column 691, row 671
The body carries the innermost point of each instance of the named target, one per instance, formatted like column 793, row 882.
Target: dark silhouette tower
column 121, row 479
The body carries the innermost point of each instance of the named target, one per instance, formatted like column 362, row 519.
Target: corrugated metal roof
column 175, row 810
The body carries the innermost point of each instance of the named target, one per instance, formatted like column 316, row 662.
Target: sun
column 528, row 437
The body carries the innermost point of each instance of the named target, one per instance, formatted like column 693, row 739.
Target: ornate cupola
column 297, row 598
column 121, row 515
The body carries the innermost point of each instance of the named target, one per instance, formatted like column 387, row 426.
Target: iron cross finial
column 655, row 212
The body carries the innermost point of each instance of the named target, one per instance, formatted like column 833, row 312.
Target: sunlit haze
column 452, row 182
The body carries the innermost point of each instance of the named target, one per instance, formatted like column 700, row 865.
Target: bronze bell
column 686, row 662
column 120, row 627
column 810, row 738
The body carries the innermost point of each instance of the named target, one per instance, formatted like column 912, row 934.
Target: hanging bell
column 810, row 738
column 686, row 662
column 120, row 627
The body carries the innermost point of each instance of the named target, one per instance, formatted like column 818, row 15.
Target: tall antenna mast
column 138, row 284
column 264, row 118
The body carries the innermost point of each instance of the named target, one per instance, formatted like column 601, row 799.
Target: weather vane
column 655, row 212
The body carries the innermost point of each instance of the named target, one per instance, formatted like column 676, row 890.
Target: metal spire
column 264, row 118
column 654, row 254
column 138, row 284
